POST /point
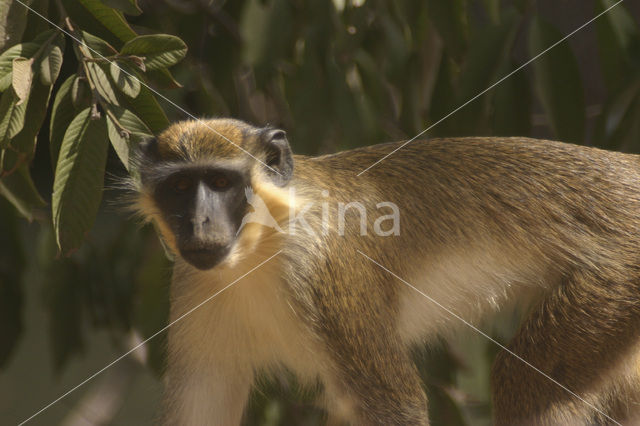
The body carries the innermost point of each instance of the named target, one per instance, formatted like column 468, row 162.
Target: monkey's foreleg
column 214, row 395
column 208, row 378
column 374, row 380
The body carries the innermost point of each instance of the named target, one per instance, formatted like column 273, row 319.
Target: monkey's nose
column 200, row 220
column 201, row 227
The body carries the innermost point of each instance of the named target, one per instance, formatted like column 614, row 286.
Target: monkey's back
column 568, row 201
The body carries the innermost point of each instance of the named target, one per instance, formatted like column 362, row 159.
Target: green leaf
column 488, row 53
column 626, row 137
column 443, row 99
column 11, row 117
column 21, row 78
column 618, row 128
column 45, row 36
column 162, row 78
column 126, row 78
column 558, row 82
column 374, row 84
column 159, row 50
column 620, row 106
column 97, row 47
column 137, row 61
column 79, row 178
column 343, row 103
column 136, row 130
column 397, row 47
column 119, row 142
column 102, row 83
column 51, row 62
column 630, row 142
column 25, row 141
column 146, row 106
column 19, row 189
column 264, row 39
column 24, row 50
column 512, row 104
column 80, row 93
column 130, row 7
column 450, row 18
column 493, row 10
column 62, row 113
column 130, row 121
column 110, row 18
column 13, row 19
column 10, row 160
column 617, row 37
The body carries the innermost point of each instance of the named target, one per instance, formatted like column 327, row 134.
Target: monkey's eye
column 220, row 182
column 181, row 184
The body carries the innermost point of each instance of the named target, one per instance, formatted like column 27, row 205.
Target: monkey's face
column 203, row 207
column 194, row 180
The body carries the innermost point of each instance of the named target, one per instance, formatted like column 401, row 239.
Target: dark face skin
column 204, row 207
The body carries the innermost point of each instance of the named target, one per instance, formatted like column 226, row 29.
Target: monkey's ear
column 278, row 156
column 147, row 149
column 144, row 154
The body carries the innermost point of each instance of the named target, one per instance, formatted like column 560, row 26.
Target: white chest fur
column 250, row 323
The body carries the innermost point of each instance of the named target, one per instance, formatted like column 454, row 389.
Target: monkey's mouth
column 204, row 257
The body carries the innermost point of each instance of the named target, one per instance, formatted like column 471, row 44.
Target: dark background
column 334, row 75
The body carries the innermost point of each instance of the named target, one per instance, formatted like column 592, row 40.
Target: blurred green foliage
column 335, row 74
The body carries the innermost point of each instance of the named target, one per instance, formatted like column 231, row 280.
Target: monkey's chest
column 251, row 322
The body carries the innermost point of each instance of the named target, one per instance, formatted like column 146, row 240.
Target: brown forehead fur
column 205, row 139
